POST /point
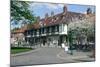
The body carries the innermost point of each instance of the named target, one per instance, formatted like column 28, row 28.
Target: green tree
column 83, row 30
column 20, row 11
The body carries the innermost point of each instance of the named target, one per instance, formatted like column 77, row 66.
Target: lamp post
column 70, row 41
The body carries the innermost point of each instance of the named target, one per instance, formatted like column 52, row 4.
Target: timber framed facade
column 52, row 30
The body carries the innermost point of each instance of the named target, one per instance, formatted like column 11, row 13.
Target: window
column 60, row 28
column 55, row 28
column 64, row 27
column 42, row 30
column 37, row 31
column 28, row 32
column 52, row 20
column 49, row 29
column 31, row 32
column 64, row 17
column 57, row 18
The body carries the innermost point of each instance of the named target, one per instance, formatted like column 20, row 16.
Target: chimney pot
column 65, row 9
column 89, row 11
column 52, row 13
column 46, row 15
column 38, row 18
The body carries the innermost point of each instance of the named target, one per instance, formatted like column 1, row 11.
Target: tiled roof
column 59, row 18
column 67, row 18
column 21, row 30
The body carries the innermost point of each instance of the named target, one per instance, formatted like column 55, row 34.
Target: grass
column 15, row 50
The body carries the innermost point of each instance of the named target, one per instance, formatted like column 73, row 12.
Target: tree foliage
column 20, row 11
column 83, row 30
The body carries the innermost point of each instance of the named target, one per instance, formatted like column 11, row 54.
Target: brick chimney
column 89, row 11
column 38, row 18
column 46, row 15
column 65, row 9
column 52, row 13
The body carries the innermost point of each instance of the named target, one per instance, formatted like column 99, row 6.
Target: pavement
column 49, row 55
column 77, row 55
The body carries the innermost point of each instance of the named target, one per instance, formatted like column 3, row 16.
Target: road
column 41, row 56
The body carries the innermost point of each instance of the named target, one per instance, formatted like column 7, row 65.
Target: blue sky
column 39, row 9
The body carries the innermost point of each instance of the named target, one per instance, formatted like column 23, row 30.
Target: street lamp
column 70, row 41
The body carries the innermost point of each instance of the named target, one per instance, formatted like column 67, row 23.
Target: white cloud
column 54, row 6
column 47, row 5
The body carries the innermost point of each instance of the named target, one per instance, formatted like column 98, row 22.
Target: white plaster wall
column 63, row 29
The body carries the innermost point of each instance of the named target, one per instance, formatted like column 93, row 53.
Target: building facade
column 53, row 30
column 50, row 36
column 18, row 37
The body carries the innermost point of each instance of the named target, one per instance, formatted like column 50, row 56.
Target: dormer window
column 80, row 17
column 40, row 23
column 54, row 19
column 63, row 17
column 57, row 18
column 44, row 24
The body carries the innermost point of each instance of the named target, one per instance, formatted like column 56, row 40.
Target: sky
column 40, row 9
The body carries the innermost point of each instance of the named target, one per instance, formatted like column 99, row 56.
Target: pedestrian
column 63, row 45
column 66, row 47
